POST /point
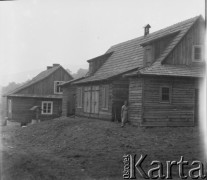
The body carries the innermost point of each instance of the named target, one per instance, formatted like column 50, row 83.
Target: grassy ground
column 78, row 148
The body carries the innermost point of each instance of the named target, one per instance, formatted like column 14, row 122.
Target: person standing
column 124, row 113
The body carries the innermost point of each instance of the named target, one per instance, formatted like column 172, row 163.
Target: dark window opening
column 197, row 53
column 165, row 94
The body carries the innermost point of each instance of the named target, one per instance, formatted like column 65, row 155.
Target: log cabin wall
column 21, row 108
column 179, row 111
column 68, row 101
column 182, row 54
column 135, row 100
column 46, row 86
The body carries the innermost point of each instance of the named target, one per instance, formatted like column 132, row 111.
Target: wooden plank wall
column 95, row 65
column 135, row 100
column 120, row 89
column 180, row 111
column 68, row 101
column 160, row 45
column 157, row 47
column 118, row 93
column 9, row 115
column 46, row 86
column 21, row 108
column 182, row 54
column 103, row 113
column 106, row 113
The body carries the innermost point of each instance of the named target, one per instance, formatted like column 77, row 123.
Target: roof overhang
column 160, row 75
column 105, row 79
column 36, row 96
column 70, row 82
column 106, row 55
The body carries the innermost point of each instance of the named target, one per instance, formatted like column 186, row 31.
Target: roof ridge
column 29, row 83
column 129, row 54
column 151, row 34
column 176, row 24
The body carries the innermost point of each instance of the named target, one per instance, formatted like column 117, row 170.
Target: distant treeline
column 80, row 73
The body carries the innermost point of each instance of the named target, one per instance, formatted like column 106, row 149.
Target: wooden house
column 42, row 92
column 69, row 97
column 158, row 73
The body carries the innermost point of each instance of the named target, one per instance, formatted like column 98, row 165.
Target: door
column 87, row 99
column 71, row 105
column 95, row 100
column 117, row 105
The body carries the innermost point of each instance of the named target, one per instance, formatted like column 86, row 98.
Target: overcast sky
column 38, row 33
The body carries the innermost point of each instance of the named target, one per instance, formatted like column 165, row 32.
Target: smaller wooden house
column 157, row 73
column 42, row 94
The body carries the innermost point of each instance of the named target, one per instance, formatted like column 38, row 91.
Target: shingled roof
column 42, row 75
column 170, row 70
column 128, row 56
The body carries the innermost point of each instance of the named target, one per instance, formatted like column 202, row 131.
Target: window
column 165, row 94
column 47, row 107
column 79, row 97
column 197, row 53
column 105, row 96
column 57, row 88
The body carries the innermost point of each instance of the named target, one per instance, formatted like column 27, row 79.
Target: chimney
column 54, row 65
column 146, row 29
column 49, row 67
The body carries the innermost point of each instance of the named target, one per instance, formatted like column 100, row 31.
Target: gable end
column 182, row 54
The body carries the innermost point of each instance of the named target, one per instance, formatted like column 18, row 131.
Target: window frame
column 79, row 98
column 170, row 94
column 105, row 100
column 47, row 102
column 193, row 53
column 55, row 87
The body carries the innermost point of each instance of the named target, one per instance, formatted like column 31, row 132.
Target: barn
column 158, row 74
column 41, row 95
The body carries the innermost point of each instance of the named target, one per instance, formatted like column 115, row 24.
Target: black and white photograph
column 103, row 89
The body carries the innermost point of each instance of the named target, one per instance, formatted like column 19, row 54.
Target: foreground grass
column 78, row 148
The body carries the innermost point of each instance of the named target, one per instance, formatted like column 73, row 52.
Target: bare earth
column 80, row 148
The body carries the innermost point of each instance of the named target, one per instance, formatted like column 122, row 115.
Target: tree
column 11, row 86
column 80, row 73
